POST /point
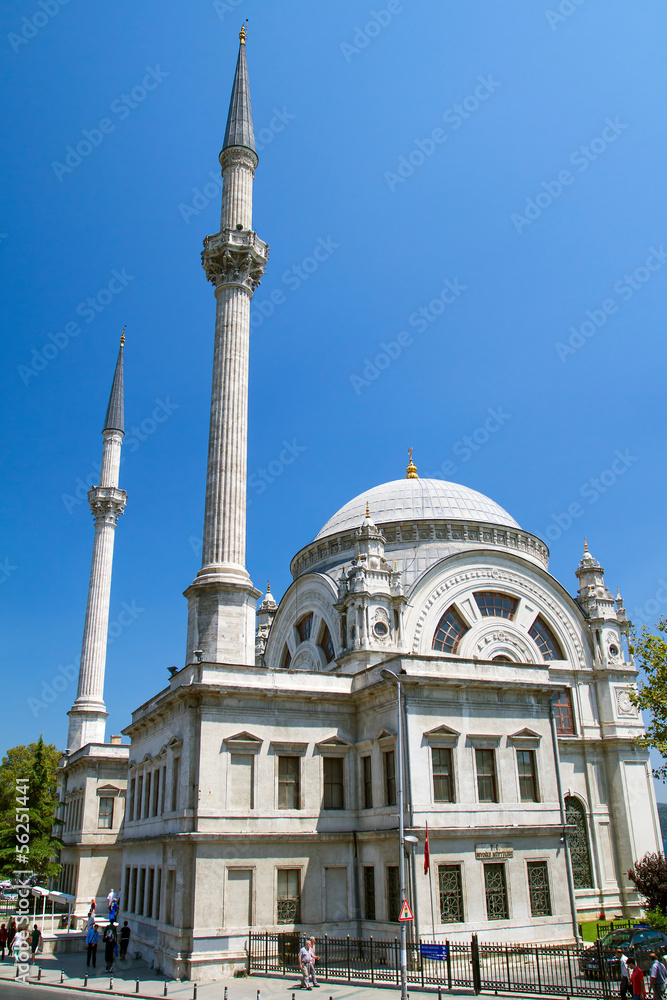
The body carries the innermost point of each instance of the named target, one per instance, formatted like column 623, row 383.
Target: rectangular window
column 393, row 893
column 141, row 891
column 487, row 788
column 169, row 898
column 289, row 901
column 147, row 795
column 140, row 793
column 150, row 889
column 527, row 775
column 133, row 786
column 369, row 892
column 164, row 785
column 538, row 889
column 126, row 894
column 495, row 888
column 332, row 768
column 443, row 775
column 367, row 780
column 563, row 714
column 156, row 790
column 175, row 775
column 133, row 892
column 288, row 784
column 451, row 894
column 105, row 815
column 389, row 760
column 158, row 893
column 241, row 775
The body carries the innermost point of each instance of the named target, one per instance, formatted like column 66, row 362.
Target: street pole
column 389, row 675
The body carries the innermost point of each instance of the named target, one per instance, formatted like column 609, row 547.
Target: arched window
column 578, row 841
column 451, row 628
column 546, row 640
column 494, row 605
column 326, row 644
column 304, row 627
column 286, row 658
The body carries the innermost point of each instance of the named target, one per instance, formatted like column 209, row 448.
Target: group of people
column 112, row 945
column 13, row 940
column 632, row 978
column 307, row 961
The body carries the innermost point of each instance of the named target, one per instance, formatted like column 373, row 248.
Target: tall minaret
column 222, row 599
column 87, row 717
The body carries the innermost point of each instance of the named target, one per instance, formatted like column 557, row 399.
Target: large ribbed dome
column 418, row 500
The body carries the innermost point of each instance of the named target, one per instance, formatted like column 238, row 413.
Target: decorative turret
column 606, row 618
column 222, row 599
column 88, row 713
column 266, row 612
column 370, row 594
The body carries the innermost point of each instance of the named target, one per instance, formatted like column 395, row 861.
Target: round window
column 613, row 650
column 381, row 629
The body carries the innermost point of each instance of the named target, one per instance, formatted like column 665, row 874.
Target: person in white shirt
column 625, row 982
column 312, row 960
column 658, row 976
column 304, row 962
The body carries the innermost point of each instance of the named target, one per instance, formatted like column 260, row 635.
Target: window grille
column 451, row 894
column 538, row 889
column 495, row 888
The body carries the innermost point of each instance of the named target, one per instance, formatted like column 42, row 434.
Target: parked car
column 636, row 942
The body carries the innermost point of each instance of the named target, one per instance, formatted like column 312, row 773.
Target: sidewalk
column 69, row 971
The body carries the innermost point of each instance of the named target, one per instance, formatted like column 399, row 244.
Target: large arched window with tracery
column 578, row 841
column 451, row 628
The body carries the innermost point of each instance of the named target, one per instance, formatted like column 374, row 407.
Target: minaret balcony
column 235, row 257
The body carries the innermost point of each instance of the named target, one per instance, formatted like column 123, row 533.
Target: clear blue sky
column 516, row 153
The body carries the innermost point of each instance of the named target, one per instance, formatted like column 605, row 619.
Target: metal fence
column 552, row 970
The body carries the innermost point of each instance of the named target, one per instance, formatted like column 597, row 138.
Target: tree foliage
column 651, row 651
column 36, row 764
column 649, row 877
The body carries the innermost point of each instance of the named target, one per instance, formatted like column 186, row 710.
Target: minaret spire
column 87, row 717
column 222, row 599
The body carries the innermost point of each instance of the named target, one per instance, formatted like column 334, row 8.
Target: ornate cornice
column 107, row 503
column 234, row 257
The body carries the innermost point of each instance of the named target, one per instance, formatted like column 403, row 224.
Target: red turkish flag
column 426, row 853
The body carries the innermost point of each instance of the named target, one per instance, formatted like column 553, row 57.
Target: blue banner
column 438, row 952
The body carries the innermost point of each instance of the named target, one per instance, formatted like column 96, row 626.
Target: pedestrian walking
column 124, row 939
column 92, row 937
column 109, row 946
column 3, row 941
column 636, row 980
column 113, row 911
column 11, row 934
column 624, row 987
column 19, row 944
column 658, row 977
column 35, row 938
column 110, row 898
column 304, row 962
column 313, row 960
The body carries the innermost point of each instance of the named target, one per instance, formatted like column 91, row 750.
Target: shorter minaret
column 87, row 717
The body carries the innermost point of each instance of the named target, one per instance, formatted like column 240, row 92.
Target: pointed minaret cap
column 269, row 599
column 239, row 131
column 115, row 420
column 411, row 471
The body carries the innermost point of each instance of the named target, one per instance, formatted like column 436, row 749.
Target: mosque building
column 259, row 787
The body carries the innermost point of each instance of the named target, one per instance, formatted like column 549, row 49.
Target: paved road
column 19, row 991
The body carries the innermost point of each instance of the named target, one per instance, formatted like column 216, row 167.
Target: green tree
column 651, row 651
column 36, row 764
column 649, row 877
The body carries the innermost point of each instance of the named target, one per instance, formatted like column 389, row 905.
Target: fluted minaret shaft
column 222, row 598
column 88, row 713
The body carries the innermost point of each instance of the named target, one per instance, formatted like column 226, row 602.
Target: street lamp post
column 389, row 675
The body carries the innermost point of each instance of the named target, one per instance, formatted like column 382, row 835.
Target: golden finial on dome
column 242, row 34
column 411, row 471
column 268, row 586
column 585, row 545
column 368, row 510
column 122, row 337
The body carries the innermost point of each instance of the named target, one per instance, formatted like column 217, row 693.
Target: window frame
column 460, row 621
column 287, row 898
column 436, row 776
column 481, row 776
column 333, row 762
column 100, row 824
column 367, row 780
column 286, row 782
column 457, row 866
column 389, row 777
column 502, row 868
column 488, row 609
column 532, row 777
column 532, row 865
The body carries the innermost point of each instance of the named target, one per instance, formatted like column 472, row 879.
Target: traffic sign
column 406, row 912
